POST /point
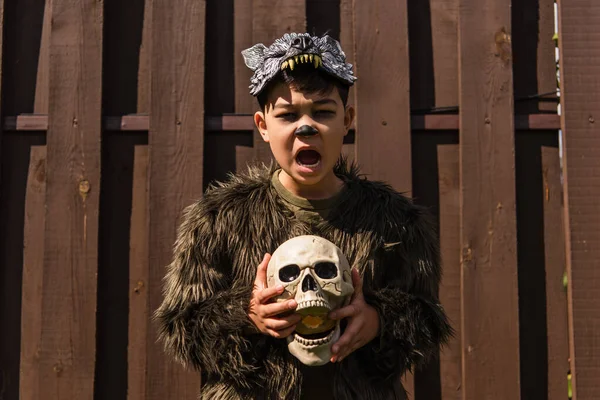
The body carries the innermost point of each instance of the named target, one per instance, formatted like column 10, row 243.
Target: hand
column 363, row 323
column 266, row 315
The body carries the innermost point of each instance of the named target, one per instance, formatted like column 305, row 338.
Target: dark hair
column 305, row 79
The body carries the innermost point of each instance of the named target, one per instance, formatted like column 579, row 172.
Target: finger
column 350, row 336
column 278, row 324
column 283, row 333
column 348, row 350
column 349, row 311
column 269, row 310
column 265, row 294
column 357, row 283
column 261, row 272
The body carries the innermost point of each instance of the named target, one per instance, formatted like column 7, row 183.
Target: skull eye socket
column 326, row 270
column 289, row 273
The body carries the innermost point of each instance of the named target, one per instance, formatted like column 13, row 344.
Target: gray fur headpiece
column 296, row 48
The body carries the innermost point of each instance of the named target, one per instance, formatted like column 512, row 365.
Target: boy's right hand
column 266, row 315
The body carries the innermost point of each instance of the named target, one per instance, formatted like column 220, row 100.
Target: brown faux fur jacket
column 223, row 237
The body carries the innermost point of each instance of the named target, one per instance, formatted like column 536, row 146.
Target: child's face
column 308, row 159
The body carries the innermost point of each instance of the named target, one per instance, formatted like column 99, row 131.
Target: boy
column 217, row 315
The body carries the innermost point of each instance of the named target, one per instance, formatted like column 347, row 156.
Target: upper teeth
column 302, row 58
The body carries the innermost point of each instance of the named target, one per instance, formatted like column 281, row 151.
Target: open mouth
column 308, row 158
column 302, row 59
column 314, row 339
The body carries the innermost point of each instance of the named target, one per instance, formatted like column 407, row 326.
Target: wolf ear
column 334, row 44
column 254, row 55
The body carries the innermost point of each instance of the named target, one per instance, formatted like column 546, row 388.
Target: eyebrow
column 317, row 102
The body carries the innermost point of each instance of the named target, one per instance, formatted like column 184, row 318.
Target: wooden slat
column 291, row 17
column 490, row 319
column 556, row 293
column 176, row 141
column 449, row 184
column 383, row 146
column 242, row 28
column 33, row 275
column 433, row 39
column 347, row 42
column 41, row 88
column 67, row 348
column 579, row 34
column 244, row 122
column 138, row 278
column 244, row 103
column 534, row 66
column 143, row 86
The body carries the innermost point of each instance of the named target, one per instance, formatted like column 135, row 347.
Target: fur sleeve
column 412, row 322
column 202, row 318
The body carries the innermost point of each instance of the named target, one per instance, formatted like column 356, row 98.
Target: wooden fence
column 116, row 115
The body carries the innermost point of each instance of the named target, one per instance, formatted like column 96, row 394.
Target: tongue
column 308, row 157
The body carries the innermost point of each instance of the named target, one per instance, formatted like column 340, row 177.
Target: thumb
column 357, row 283
column 261, row 272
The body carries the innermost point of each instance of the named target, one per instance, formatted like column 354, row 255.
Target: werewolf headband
column 296, row 48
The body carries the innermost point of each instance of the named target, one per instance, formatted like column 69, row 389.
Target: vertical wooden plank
column 556, row 293
column 291, row 17
column 143, row 93
column 383, row 122
column 433, row 36
column 41, row 88
column 244, row 103
column 534, row 66
column 138, row 278
column 33, row 275
column 67, row 350
column 490, row 319
column 579, row 30
column 449, row 183
column 347, row 42
column 176, row 141
column 444, row 29
column 242, row 39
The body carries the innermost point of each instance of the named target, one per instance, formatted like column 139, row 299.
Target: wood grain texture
column 242, row 39
column 534, row 65
column 382, row 98
column 291, row 17
column 579, row 33
column 176, row 159
column 556, row 293
column 347, row 42
column 33, row 275
column 449, row 184
column 41, row 87
column 444, row 42
column 143, row 92
column 67, row 349
column 138, row 278
column 490, row 318
column 244, row 103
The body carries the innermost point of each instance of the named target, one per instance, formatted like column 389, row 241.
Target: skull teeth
column 302, row 59
column 312, row 303
column 314, row 342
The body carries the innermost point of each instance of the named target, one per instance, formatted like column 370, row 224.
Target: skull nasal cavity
column 301, row 43
column 308, row 283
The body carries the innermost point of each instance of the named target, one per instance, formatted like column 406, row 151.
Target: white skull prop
column 315, row 273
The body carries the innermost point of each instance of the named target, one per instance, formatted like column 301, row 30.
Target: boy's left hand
column 363, row 322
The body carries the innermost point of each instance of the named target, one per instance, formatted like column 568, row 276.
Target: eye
column 326, row 270
column 324, row 113
column 287, row 116
column 289, row 273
